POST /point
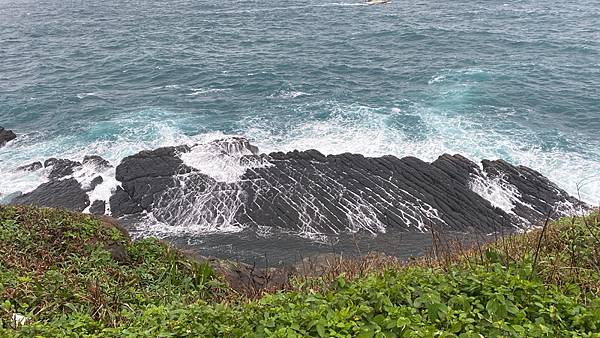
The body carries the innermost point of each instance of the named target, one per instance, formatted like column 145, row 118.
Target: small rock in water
column 95, row 182
column 8, row 198
column 60, row 167
column 97, row 161
column 6, row 135
column 31, row 167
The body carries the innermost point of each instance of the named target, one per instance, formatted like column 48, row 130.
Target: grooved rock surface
column 309, row 192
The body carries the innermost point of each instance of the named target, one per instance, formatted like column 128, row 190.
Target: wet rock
column 60, row 167
column 97, row 161
column 98, row 207
column 458, row 167
column 538, row 197
column 162, row 162
column 121, row 204
column 307, row 191
column 31, row 167
column 66, row 194
column 6, row 199
column 95, row 182
column 6, row 136
column 535, row 196
column 145, row 177
column 235, row 145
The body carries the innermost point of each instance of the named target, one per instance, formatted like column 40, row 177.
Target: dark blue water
column 518, row 80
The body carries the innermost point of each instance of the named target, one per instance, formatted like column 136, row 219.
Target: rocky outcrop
column 62, row 190
column 96, row 161
column 533, row 196
column 312, row 192
column 308, row 192
column 6, row 136
column 31, row 167
column 60, row 168
column 57, row 194
column 145, row 177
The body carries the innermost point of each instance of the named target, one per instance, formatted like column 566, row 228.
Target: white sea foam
column 102, row 192
column 289, row 94
column 500, row 193
column 203, row 91
column 84, row 95
column 221, row 160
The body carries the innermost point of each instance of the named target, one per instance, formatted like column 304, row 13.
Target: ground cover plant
column 75, row 275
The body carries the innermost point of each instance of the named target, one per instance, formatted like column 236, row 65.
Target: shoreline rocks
column 56, row 194
column 308, row 192
column 6, row 136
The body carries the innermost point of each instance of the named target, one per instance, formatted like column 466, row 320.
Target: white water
column 350, row 128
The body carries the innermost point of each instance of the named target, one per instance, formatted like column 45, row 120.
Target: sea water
column 517, row 80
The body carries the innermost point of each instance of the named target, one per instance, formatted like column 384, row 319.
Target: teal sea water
column 518, row 80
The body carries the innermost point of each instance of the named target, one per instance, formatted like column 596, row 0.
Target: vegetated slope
column 74, row 275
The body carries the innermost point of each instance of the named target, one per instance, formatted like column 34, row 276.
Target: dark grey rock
column 162, row 162
column 66, row 194
column 306, row 190
column 6, row 199
column 145, row 177
column 234, row 145
column 121, row 204
column 6, row 136
column 31, row 167
column 95, row 182
column 538, row 196
column 97, row 161
column 458, row 167
column 60, row 167
column 98, row 208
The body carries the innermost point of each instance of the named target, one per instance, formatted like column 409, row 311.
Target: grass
column 74, row 275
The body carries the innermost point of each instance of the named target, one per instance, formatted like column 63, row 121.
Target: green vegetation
column 74, row 275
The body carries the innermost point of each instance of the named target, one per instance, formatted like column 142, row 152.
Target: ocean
column 517, row 80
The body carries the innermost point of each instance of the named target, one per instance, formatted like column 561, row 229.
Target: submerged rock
column 97, row 161
column 31, row 167
column 6, row 136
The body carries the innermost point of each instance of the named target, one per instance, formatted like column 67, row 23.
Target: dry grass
column 565, row 253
